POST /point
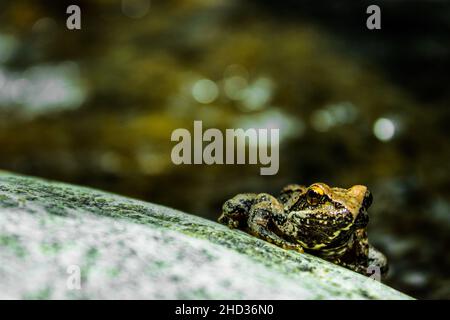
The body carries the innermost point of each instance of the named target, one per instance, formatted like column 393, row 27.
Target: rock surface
column 129, row 249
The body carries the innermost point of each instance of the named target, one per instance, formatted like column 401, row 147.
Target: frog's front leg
column 235, row 212
column 367, row 259
column 265, row 212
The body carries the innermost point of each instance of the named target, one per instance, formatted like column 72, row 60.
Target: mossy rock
column 129, row 249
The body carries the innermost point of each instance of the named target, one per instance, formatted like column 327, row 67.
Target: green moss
column 8, row 202
column 42, row 294
column 51, row 248
column 11, row 242
column 113, row 272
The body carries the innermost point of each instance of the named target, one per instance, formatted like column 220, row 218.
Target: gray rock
column 129, row 249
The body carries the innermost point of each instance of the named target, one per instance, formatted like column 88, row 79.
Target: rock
column 129, row 249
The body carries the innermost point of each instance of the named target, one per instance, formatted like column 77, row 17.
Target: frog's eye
column 313, row 195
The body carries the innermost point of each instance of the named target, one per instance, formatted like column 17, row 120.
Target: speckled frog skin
column 327, row 222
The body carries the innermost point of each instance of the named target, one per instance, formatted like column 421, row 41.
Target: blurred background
column 97, row 107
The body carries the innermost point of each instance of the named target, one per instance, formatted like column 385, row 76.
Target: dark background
column 97, row 106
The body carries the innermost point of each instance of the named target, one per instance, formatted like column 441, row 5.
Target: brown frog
column 327, row 222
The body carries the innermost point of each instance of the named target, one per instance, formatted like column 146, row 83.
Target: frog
column 328, row 222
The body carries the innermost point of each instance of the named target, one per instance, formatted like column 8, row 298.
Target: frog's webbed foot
column 292, row 246
column 264, row 210
column 373, row 265
column 371, row 260
column 235, row 211
column 377, row 261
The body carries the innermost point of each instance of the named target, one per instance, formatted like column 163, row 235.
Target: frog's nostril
column 368, row 198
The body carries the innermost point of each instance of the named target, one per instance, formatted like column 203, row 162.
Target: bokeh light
column 384, row 129
column 258, row 94
column 205, row 91
column 42, row 88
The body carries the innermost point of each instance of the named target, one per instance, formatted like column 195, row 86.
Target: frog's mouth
column 317, row 233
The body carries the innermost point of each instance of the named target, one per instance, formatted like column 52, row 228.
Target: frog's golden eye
column 314, row 195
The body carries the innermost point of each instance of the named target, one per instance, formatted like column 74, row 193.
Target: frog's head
column 327, row 216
